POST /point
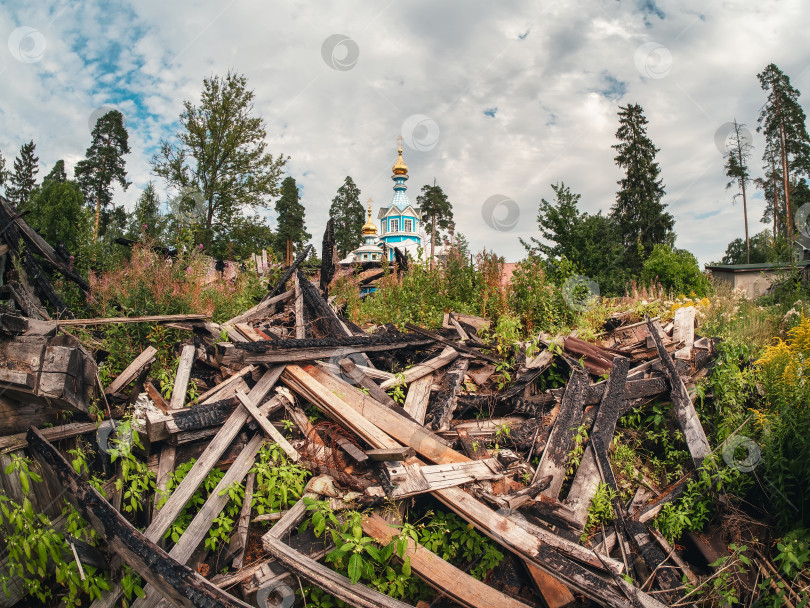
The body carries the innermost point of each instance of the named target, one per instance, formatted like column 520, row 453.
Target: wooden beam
column 199, row 526
column 587, row 476
column 182, row 377
column 448, row 355
column 267, row 427
column 440, row 412
column 182, row 493
column 555, row 457
column 300, row 332
column 390, row 422
column 182, row 586
column 219, row 391
column 144, row 319
column 261, row 309
column 416, row 401
column 238, row 545
column 442, row 576
column 19, row 441
column 685, row 412
column 165, row 470
column 358, row 377
column 131, row 372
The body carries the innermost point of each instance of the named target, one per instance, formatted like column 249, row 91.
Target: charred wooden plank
column 204, row 416
column 555, row 457
column 587, row 476
column 441, row 410
column 441, row 339
column 176, row 582
column 685, row 412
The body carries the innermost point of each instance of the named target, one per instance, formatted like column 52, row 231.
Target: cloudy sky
column 492, row 99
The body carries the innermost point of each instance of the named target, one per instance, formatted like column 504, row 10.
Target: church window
column 408, row 225
column 394, row 225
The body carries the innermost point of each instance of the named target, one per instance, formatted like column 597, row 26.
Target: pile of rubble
column 294, row 351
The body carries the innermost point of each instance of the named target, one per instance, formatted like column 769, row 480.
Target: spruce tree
column 104, row 163
column 349, row 216
column 737, row 171
column 24, row 178
column 638, row 212
column 146, row 217
column 437, row 213
column 782, row 122
column 290, row 223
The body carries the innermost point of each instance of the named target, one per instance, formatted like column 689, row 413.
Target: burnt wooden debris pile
column 413, row 415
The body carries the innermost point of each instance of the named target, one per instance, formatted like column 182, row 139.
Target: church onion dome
column 400, row 168
column 369, row 229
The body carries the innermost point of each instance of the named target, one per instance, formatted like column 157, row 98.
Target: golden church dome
column 400, row 168
column 369, row 229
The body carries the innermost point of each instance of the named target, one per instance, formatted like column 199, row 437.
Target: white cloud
column 542, row 66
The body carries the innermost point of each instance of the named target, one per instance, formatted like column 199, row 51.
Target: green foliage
column 793, row 553
column 676, row 270
column 290, row 223
column 22, row 181
column 763, row 249
column 397, row 391
column 578, row 449
column 638, row 213
column 36, row 551
column 600, row 510
column 279, row 483
column 58, row 213
column 437, row 212
column 723, row 396
column 221, row 156
column 136, row 481
column 349, row 216
column 387, row 568
column 104, row 164
column 695, row 508
column 536, row 300
column 723, row 588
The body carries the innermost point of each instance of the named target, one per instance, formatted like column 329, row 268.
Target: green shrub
column 676, row 270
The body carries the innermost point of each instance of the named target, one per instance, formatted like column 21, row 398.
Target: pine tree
column 638, row 212
column 437, row 213
column 349, row 216
column 57, row 174
column 290, row 225
column 24, row 178
column 782, row 122
column 104, row 163
column 737, row 170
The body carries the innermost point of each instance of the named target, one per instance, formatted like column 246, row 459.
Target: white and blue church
column 400, row 223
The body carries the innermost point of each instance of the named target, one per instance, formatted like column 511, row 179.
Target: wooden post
column 182, row 377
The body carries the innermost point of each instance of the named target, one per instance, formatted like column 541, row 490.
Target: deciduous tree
column 222, row 154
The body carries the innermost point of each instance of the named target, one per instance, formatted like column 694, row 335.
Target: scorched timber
column 284, row 351
column 179, row 584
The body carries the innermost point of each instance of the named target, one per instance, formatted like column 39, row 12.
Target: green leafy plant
column 600, row 511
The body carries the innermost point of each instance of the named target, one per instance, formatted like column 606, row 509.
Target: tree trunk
column 98, row 216
column 775, row 200
column 745, row 217
column 432, row 239
column 785, row 174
